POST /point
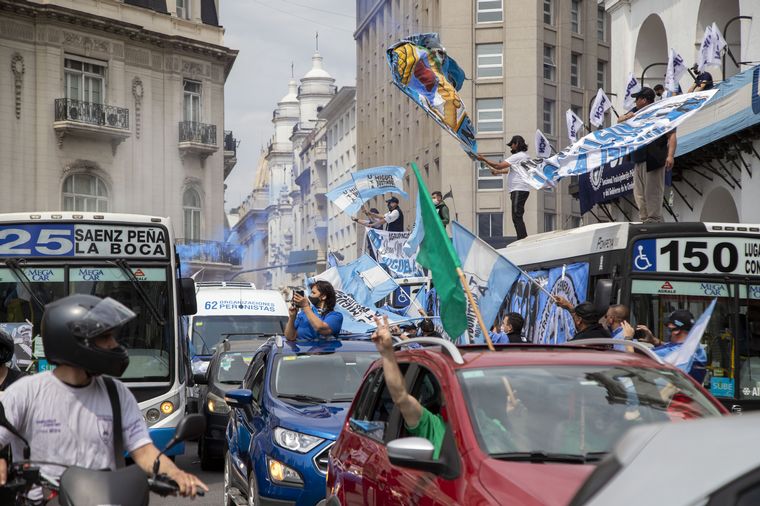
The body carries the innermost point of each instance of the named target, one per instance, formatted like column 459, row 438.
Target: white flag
column 599, row 107
column 543, row 149
column 632, row 86
column 705, row 50
column 718, row 43
column 676, row 69
column 574, row 124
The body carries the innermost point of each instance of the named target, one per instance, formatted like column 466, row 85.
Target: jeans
column 518, row 210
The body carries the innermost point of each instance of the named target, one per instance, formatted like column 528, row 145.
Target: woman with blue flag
column 314, row 318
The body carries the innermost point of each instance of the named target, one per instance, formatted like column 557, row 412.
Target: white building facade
column 642, row 33
column 117, row 106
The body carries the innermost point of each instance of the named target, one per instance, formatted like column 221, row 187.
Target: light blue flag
column 366, row 184
column 418, row 232
column 489, row 274
column 363, row 279
column 683, row 356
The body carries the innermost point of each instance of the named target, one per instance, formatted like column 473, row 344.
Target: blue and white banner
column 389, row 252
column 489, row 274
column 683, row 356
column 604, row 184
column 543, row 148
column 359, row 318
column 544, row 321
column 614, row 142
column 366, row 184
column 363, row 279
column 417, row 234
column 632, row 86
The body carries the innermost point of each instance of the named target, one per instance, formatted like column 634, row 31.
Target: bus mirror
column 603, row 293
column 188, row 304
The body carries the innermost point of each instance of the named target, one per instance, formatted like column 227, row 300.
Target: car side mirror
column 239, row 398
column 199, row 378
column 414, row 453
column 188, row 303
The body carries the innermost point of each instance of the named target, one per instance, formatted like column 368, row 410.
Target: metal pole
column 268, row 268
column 643, row 72
column 728, row 46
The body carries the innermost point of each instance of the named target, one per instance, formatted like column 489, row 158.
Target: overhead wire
column 302, row 17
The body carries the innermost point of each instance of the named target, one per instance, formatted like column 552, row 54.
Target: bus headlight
column 216, row 404
column 167, row 408
column 152, row 415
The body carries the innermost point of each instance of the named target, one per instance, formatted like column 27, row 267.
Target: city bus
column 653, row 269
column 45, row 256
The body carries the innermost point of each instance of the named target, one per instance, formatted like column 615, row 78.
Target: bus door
column 748, row 333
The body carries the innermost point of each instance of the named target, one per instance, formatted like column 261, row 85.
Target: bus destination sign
column 82, row 240
column 698, row 255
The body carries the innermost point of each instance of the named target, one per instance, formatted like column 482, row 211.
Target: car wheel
column 227, row 498
column 253, row 492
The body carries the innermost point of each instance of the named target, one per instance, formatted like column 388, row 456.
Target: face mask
column 314, row 300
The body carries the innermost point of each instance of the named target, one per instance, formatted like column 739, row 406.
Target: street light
column 643, row 72
column 728, row 46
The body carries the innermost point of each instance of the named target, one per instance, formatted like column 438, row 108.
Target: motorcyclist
column 66, row 414
column 7, row 374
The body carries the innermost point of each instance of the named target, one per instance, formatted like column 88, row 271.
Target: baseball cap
column 392, row 199
column 681, row 318
column 647, row 93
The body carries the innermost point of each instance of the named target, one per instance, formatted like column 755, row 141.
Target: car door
column 241, row 424
column 408, row 486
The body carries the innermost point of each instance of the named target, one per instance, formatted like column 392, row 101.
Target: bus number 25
column 725, row 256
column 16, row 241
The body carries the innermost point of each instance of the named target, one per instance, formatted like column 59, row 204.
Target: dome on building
column 292, row 96
column 317, row 70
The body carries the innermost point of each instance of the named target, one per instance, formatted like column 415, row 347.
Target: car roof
column 681, row 448
column 240, row 345
column 324, row 346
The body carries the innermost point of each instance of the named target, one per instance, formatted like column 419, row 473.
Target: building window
column 85, row 192
column 192, row 100
column 490, row 11
column 574, row 221
column 549, row 12
column 550, row 222
column 183, row 9
column 575, row 70
column 601, row 24
column 577, row 110
column 601, row 73
column 490, row 115
column 548, row 121
column 490, row 59
column 486, row 180
column 191, row 205
column 549, row 65
column 490, row 225
column 85, row 80
column 575, row 16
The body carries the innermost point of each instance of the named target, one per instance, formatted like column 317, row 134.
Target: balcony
column 91, row 120
column 198, row 139
column 230, row 152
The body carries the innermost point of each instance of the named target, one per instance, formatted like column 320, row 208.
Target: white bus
column 46, row 256
column 654, row 269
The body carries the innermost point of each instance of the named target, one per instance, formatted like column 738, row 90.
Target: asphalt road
column 214, row 479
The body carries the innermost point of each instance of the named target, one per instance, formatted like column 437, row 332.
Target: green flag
column 437, row 254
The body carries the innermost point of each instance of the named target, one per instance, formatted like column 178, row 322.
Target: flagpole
column 475, row 309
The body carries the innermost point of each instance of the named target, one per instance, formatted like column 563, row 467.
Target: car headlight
column 295, row 441
column 216, row 404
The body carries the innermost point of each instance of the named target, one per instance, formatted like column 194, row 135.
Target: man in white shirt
column 518, row 188
column 393, row 219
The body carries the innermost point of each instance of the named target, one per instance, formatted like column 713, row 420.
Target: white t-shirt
column 391, row 216
column 70, row 425
column 515, row 182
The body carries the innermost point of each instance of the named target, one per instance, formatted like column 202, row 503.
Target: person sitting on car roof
column 586, row 318
column 317, row 318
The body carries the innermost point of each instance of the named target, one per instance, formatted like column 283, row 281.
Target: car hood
column 532, row 484
column 322, row 420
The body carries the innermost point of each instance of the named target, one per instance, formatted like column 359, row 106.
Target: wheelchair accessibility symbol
column 642, row 252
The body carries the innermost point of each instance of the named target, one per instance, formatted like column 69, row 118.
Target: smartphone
column 639, row 335
column 299, row 292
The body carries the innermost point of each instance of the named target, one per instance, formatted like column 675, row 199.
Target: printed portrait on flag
column 388, row 248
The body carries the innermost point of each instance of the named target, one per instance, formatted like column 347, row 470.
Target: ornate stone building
column 118, row 106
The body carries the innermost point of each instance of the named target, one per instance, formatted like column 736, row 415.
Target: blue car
column 287, row 416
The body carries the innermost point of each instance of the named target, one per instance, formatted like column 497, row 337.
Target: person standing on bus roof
column 314, row 317
column 651, row 163
column 393, row 219
column 518, row 188
column 586, row 318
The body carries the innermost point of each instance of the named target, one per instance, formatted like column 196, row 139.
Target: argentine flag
column 683, row 356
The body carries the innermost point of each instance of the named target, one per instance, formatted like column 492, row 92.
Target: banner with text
column 388, row 248
column 604, row 184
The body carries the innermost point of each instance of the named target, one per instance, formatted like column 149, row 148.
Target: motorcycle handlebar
column 163, row 485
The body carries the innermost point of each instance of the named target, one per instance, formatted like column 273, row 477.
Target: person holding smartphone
column 313, row 318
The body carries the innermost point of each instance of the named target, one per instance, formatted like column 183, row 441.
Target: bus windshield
column 208, row 331
column 148, row 341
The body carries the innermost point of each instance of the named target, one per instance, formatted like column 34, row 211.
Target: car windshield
column 326, row 377
column 207, row 331
column 572, row 410
column 232, row 366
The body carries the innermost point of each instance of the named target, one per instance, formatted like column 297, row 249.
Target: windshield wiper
column 303, row 398
column 236, row 334
column 541, row 457
column 127, row 271
column 232, row 382
column 20, row 275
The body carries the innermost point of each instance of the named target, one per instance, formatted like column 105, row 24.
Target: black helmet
column 69, row 326
column 6, row 346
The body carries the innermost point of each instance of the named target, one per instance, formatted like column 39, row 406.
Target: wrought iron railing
column 190, row 250
column 190, row 131
column 68, row 109
column 230, row 143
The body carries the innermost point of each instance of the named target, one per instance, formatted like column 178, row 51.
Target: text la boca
column 125, row 242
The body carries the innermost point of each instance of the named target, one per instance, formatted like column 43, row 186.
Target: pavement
column 214, row 479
